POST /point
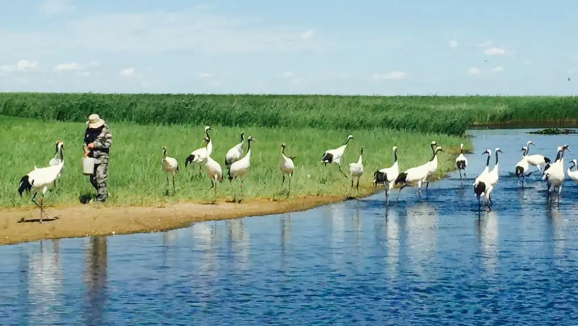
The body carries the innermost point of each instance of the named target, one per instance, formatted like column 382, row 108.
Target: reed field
column 136, row 177
column 450, row 115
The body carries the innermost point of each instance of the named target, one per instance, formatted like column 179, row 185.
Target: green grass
column 135, row 167
column 450, row 115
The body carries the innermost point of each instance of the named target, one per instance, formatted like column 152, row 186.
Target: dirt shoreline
column 83, row 220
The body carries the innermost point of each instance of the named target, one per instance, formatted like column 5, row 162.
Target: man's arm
column 104, row 140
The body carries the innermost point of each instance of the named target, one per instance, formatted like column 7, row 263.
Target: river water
column 433, row 261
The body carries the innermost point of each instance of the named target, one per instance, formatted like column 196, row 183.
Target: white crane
column 287, row 166
column 235, row 153
column 241, row 167
column 38, row 180
column 387, row 176
column 536, row 160
column 494, row 175
column 573, row 174
column 333, row 156
column 487, row 168
column 170, row 167
column 461, row 161
column 482, row 186
column 432, row 164
column 199, row 155
column 214, row 171
column 418, row 173
column 522, row 166
column 554, row 174
column 356, row 170
column 58, row 157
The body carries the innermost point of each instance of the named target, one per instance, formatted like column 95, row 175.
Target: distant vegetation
column 450, row 115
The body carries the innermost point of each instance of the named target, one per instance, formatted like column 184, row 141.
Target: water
column 428, row 262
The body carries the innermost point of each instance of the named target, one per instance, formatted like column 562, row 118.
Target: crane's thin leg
column 357, row 186
column 290, row 177
column 460, row 174
column 282, row 182
column 465, row 176
column 174, row 187
column 200, row 172
column 479, row 204
column 559, row 193
column 400, row 189
column 215, row 189
column 339, row 165
column 351, row 182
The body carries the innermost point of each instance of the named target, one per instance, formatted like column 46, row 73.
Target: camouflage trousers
column 99, row 181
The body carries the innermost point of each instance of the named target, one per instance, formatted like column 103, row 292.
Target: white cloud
column 205, row 75
column 127, row 72
column 484, row 44
column 68, row 66
column 391, row 75
column 56, row 7
column 307, row 34
column 21, row 65
column 495, row 51
column 453, row 44
column 94, row 63
column 297, row 81
column 528, row 63
column 474, row 71
column 497, row 69
column 288, row 74
column 85, row 74
column 198, row 29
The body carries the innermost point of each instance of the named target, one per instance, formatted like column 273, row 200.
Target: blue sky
column 261, row 46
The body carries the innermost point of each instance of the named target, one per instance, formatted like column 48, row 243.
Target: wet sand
column 17, row 225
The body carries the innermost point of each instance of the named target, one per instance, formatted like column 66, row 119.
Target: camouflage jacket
column 102, row 144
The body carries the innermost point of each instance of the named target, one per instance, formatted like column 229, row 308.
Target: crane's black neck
column 249, row 144
column 394, row 156
column 435, row 152
column 461, row 150
column 242, row 137
column 207, row 133
column 488, row 160
column 347, row 141
column 496, row 158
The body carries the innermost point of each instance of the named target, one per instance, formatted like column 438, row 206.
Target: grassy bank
column 450, row 115
column 135, row 171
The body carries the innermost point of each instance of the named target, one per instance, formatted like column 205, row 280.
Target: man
column 98, row 140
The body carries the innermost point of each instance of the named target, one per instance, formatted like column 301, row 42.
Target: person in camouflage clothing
column 98, row 140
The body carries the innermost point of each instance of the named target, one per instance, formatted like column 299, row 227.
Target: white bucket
column 88, row 166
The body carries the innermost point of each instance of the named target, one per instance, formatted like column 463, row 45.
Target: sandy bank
column 83, row 220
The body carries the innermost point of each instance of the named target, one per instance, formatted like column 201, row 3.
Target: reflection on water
column 45, row 282
column 95, row 280
column 392, row 240
column 431, row 262
column 421, row 226
column 488, row 233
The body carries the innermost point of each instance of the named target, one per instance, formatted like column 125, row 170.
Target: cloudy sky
column 264, row 46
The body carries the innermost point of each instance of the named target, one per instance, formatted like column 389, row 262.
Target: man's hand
column 90, row 146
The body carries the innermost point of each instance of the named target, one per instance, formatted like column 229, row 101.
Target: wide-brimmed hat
column 94, row 121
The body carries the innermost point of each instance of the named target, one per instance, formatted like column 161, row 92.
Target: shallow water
column 429, row 262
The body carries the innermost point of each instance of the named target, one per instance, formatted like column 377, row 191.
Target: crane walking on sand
column 170, row 166
column 333, row 156
column 38, row 180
